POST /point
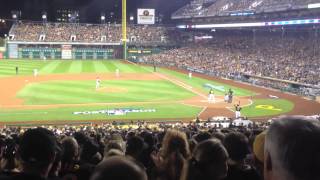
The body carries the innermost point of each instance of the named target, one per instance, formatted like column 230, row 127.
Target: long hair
column 209, row 161
column 174, row 151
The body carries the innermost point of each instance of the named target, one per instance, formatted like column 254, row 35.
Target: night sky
column 90, row 10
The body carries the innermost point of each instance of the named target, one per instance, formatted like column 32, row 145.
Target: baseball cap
column 258, row 146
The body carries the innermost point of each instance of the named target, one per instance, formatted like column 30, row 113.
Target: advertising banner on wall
column 146, row 16
column 13, row 51
column 66, row 52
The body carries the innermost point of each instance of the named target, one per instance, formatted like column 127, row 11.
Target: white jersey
column 117, row 72
column 98, row 81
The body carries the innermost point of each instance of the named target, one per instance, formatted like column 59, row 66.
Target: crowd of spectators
column 86, row 33
column 179, row 151
column 287, row 56
column 223, row 7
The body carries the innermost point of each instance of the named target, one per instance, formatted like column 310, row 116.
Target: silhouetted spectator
column 238, row 148
column 209, row 161
column 118, row 168
column 292, row 149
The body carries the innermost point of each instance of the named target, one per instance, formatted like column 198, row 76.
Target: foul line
column 174, row 81
column 205, row 108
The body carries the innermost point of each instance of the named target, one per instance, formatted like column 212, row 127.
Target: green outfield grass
column 163, row 111
column 80, row 92
column 199, row 83
column 26, row 67
column 267, row 107
column 161, row 95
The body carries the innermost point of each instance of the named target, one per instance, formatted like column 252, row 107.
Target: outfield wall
column 38, row 50
column 21, row 50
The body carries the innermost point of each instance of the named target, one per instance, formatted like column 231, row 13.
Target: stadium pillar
column 124, row 28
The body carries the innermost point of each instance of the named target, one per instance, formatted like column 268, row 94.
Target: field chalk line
column 174, row 81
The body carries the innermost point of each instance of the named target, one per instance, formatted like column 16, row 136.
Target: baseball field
column 65, row 91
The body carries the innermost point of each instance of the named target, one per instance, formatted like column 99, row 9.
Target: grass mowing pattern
column 199, row 82
column 267, row 107
column 80, row 92
column 26, row 67
column 169, row 111
column 59, row 92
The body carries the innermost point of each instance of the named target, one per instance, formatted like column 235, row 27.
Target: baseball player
column 98, row 82
column 35, row 72
column 226, row 97
column 230, row 96
column 190, row 75
column 117, row 72
column 237, row 110
column 211, row 98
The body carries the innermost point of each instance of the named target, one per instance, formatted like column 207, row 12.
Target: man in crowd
column 36, row 153
column 292, row 149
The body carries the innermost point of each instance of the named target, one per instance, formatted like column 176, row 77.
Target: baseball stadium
column 72, row 72
column 160, row 89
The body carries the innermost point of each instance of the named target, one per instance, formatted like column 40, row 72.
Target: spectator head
column 37, row 149
column 209, row 161
column 118, row 168
column 174, row 151
column 175, row 141
column 89, row 152
column 135, row 146
column 237, row 146
column 202, row 136
column 70, row 151
column 292, row 149
column 258, row 146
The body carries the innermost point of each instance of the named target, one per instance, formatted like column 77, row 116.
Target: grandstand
column 187, row 101
column 210, row 8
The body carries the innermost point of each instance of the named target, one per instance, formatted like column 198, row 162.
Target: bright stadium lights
column 312, row 6
column 255, row 24
column 44, row 17
column 16, row 15
column 103, row 18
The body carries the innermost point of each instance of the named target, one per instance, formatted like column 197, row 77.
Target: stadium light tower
column 16, row 15
column 103, row 18
column 44, row 17
column 124, row 28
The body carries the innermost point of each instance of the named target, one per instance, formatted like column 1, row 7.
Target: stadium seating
column 86, row 33
column 139, row 149
column 199, row 8
column 291, row 56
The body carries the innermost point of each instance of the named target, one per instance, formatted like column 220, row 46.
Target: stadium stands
column 199, row 8
column 86, row 33
column 74, row 151
column 291, row 56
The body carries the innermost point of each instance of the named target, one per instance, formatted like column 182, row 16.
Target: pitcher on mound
column 98, row 82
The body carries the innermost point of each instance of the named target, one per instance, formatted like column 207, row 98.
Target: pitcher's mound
column 112, row 90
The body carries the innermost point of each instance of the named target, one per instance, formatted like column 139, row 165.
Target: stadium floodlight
column 44, row 17
column 131, row 18
column 103, row 18
column 15, row 15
